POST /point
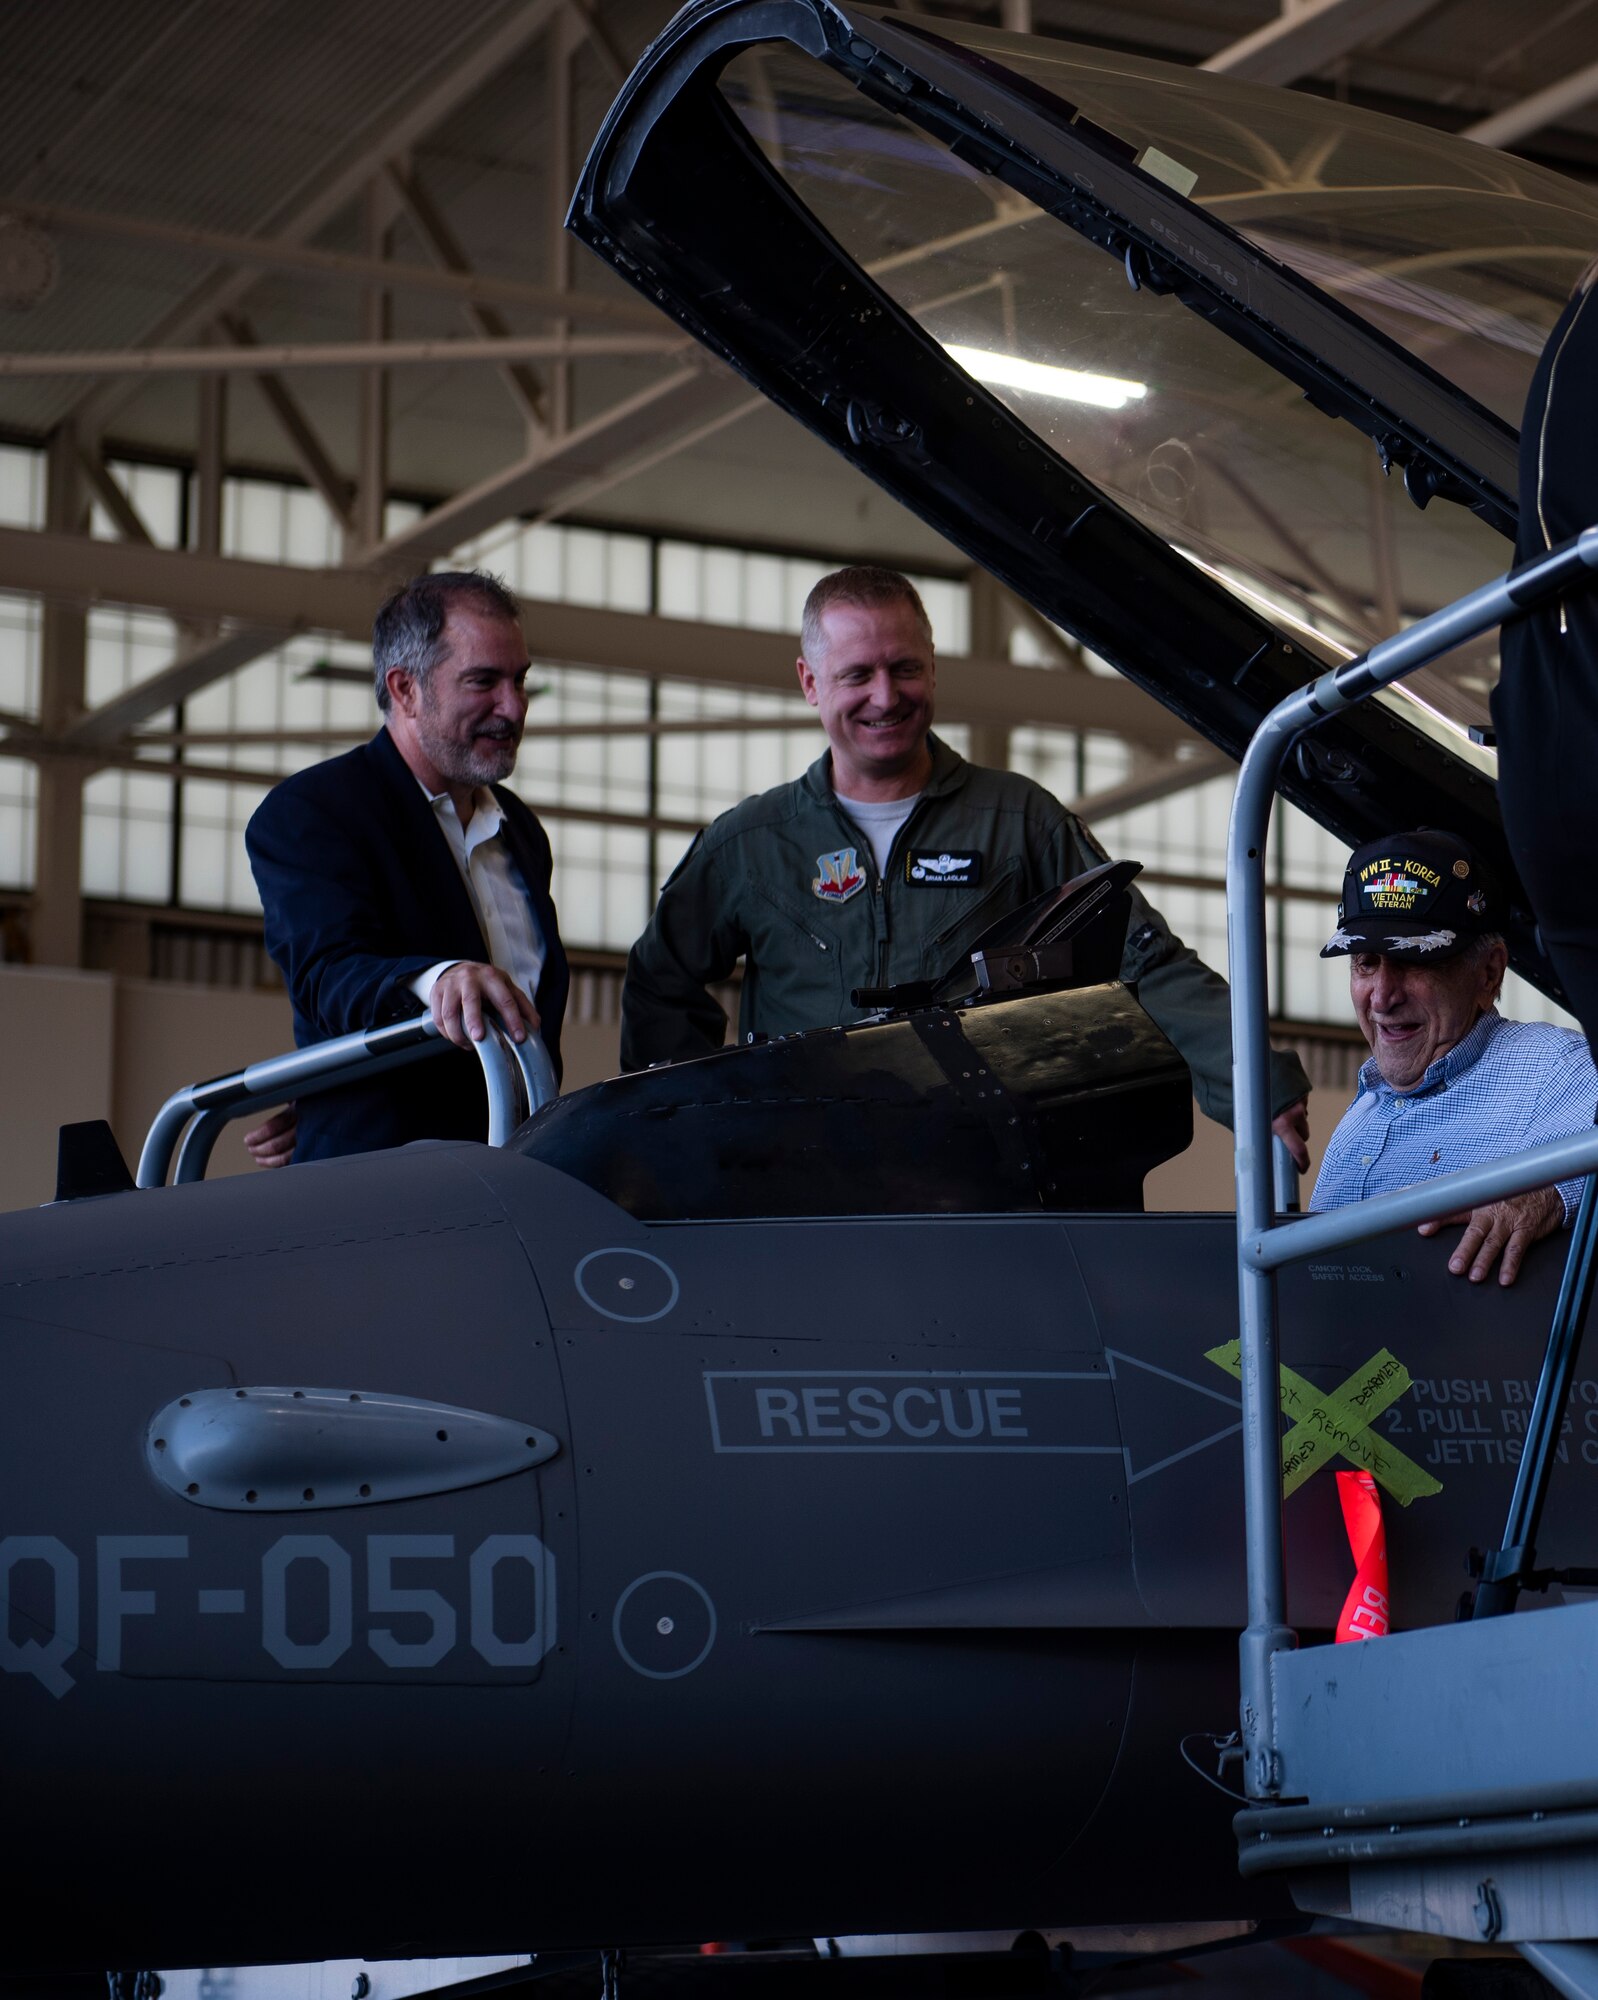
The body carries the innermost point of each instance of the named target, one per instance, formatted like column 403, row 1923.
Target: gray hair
column 865, row 585
column 408, row 631
column 1480, row 948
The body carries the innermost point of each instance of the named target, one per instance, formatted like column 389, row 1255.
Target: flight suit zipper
column 884, row 942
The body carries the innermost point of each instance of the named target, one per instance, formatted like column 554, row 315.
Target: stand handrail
column 324, row 1066
column 540, row 1085
column 1284, row 1179
column 1335, row 1228
column 1538, row 582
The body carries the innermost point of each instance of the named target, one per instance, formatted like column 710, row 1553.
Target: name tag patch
column 952, row 868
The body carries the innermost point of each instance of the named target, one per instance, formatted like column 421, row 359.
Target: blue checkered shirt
column 1506, row 1086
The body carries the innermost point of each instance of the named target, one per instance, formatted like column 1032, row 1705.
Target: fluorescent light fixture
column 1068, row 385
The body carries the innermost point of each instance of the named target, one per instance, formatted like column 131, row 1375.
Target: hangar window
column 620, row 819
column 19, row 695
column 21, row 487
column 127, row 818
column 19, row 785
column 21, row 506
column 622, row 804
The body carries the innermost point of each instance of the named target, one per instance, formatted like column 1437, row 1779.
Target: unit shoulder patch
column 840, row 877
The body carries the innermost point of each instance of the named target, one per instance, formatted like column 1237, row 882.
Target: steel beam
column 669, row 415
column 210, row 466
column 504, row 350
column 990, row 623
column 318, row 738
column 112, row 496
column 55, row 931
column 1061, row 649
column 630, row 465
column 310, row 453
column 205, row 524
column 560, row 143
column 555, row 473
column 334, row 266
column 1305, row 37
column 483, row 50
column 194, row 668
column 1543, row 107
column 1161, row 781
column 1275, row 892
column 272, row 601
column 560, row 472
column 132, row 754
column 53, row 765
column 526, row 391
column 650, row 450
column 981, row 693
column 379, row 205
column 72, row 569
column 611, row 60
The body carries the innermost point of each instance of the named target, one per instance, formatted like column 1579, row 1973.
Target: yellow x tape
column 1328, row 1426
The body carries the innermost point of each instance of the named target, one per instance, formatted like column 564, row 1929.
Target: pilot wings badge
column 840, row 876
column 949, row 870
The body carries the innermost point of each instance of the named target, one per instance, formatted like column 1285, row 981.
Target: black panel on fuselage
column 1061, row 1099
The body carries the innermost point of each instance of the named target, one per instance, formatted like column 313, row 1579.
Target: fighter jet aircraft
column 796, row 1493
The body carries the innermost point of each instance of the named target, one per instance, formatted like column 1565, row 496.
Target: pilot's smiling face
column 872, row 682
column 471, row 709
column 1412, row 1013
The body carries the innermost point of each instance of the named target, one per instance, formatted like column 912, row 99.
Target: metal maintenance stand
column 1442, row 1780
column 204, row 1108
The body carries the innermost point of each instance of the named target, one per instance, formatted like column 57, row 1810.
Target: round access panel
column 627, row 1285
column 664, row 1625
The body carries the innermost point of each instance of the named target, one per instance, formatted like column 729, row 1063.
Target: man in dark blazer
column 404, row 875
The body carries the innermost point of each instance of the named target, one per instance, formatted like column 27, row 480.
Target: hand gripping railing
column 204, row 1108
column 1259, row 1248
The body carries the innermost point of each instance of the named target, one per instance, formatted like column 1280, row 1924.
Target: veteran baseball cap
column 1421, row 895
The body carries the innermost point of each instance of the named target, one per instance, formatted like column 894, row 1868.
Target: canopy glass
column 1459, row 254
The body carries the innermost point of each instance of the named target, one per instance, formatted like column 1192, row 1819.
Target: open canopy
column 1222, row 379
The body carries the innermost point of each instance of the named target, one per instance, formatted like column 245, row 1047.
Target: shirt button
column 1364, row 1159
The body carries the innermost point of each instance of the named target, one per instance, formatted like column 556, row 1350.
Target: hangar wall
column 80, row 1045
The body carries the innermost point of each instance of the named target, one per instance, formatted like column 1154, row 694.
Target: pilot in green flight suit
column 882, row 864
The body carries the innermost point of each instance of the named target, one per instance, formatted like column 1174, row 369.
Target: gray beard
column 486, row 762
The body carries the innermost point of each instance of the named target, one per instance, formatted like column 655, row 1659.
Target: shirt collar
column 487, row 812
column 1447, row 1068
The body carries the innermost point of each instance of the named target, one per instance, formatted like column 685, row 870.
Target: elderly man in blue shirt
column 1449, row 1082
